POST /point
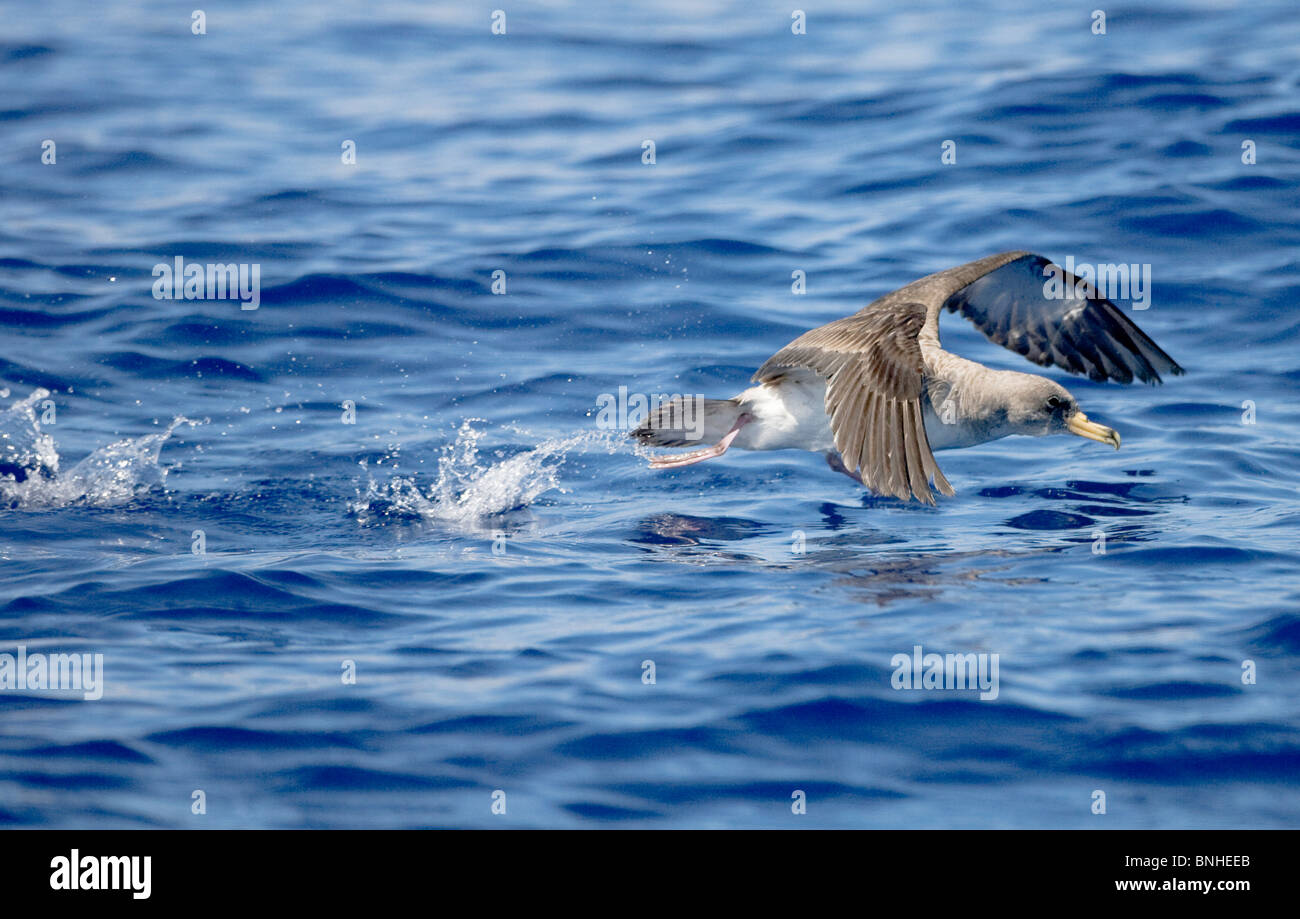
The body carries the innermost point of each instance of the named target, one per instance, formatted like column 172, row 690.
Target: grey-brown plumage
column 887, row 388
column 875, row 377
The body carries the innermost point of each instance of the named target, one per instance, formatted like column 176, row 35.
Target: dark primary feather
column 1091, row 335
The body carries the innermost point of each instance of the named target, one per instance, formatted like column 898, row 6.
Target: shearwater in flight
column 877, row 393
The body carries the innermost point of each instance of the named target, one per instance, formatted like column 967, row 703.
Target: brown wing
column 873, row 368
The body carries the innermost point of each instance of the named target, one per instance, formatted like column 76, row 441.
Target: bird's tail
column 688, row 422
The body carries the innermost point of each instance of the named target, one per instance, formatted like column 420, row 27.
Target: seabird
column 877, row 393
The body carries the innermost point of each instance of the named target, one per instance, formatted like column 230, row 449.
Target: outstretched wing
column 873, row 368
column 1012, row 304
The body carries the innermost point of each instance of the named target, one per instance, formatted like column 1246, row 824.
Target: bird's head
column 1039, row 406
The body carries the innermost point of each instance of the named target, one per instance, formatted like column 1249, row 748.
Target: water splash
column 469, row 491
column 26, row 450
column 112, row 474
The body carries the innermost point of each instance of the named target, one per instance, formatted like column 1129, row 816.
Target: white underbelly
column 792, row 415
column 788, row 415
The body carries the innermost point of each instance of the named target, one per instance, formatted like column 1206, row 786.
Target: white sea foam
column 24, row 448
column 111, row 474
column 469, row 490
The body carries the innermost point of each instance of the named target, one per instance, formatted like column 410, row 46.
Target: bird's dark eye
column 1054, row 402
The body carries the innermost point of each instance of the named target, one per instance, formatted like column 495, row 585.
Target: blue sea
column 368, row 555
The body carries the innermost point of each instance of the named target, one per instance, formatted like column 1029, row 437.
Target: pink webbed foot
column 672, row 461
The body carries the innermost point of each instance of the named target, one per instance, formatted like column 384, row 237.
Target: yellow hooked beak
column 1078, row 423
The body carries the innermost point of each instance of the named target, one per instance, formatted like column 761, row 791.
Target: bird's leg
column 835, row 462
column 672, row 461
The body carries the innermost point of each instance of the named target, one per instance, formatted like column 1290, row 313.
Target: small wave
column 112, row 474
column 468, row 490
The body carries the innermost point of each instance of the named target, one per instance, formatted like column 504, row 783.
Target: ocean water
column 467, row 589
